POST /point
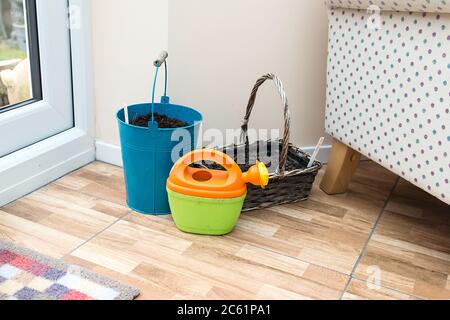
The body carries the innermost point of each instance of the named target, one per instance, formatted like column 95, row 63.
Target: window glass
column 17, row 30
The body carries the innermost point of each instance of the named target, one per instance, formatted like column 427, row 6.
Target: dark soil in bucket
column 164, row 122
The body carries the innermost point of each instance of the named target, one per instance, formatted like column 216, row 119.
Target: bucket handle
column 162, row 59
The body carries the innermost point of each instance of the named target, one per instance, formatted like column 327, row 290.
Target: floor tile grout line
column 372, row 232
column 261, row 248
column 97, row 234
column 231, row 238
column 285, row 255
column 46, row 185
column 85, row 194
column 57, row 183
column 389, row 288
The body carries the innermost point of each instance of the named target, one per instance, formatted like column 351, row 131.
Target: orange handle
column 214, row 183
column 210, row 155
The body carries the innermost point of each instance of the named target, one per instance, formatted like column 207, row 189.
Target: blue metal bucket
column 148, row 155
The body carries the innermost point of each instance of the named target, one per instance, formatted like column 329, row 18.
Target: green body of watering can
column 205, row 215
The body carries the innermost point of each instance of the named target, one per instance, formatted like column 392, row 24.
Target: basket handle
column 287, row 117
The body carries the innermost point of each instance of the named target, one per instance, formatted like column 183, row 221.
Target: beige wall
column 127, row 36
column 217, row 51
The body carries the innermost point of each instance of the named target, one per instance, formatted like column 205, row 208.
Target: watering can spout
column 258, row 175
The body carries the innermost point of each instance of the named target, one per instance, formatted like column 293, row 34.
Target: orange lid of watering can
column 207, row 183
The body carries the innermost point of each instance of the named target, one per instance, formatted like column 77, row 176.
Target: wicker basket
column 291, row 181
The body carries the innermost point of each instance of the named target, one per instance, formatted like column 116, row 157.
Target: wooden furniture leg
column 341, row 167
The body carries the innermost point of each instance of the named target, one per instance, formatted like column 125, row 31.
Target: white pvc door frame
column 31, row 167
column 53, row 114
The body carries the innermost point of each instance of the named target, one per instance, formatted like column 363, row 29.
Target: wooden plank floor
column 325, row 248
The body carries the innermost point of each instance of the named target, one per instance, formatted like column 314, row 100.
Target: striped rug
column 28, row 275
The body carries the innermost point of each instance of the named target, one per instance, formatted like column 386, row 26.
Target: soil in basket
column 164, row 122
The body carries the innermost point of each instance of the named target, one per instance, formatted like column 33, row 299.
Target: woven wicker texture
column 290, row 179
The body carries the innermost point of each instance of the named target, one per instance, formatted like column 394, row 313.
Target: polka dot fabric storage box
column 431, row 6
column 388, row 90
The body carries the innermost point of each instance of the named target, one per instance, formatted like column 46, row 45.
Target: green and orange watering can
column 206, row 201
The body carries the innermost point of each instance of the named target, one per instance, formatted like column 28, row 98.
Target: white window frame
column 28, row 169
column 53, row 114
